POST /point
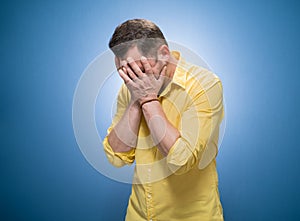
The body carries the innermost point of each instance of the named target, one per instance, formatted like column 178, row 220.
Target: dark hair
column 136, row 32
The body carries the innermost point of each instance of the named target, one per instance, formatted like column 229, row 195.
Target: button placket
column 149, row 195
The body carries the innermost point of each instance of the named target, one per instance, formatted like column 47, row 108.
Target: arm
column 163, row 133
column 118, row 148
column 123, row 136
column 145, row 88
column 199, row 123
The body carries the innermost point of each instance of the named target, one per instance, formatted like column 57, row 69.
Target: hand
column 142, row 86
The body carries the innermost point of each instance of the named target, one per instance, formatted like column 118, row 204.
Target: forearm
column 123, row 137
column 163, row 133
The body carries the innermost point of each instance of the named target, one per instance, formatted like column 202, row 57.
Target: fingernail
column 143, row 58
column 129, row 59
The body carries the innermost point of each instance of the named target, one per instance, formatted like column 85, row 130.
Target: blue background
column 45, row 46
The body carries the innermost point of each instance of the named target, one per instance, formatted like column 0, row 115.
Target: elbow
column 116, row 144
column 182, row 169
column 115, row 161
column 110, row 155
column 182, row 158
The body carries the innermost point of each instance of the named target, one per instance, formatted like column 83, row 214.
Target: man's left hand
column 142, row 86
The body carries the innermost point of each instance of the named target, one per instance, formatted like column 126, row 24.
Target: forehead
column 135, row 54
column 132, row 52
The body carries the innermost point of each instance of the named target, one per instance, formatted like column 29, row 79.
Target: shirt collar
column 179, row 76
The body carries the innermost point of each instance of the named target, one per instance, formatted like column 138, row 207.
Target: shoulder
column 200, row 75
column 200, row 79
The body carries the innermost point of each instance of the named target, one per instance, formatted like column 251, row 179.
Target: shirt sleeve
column 122, row 158
column 199, row 122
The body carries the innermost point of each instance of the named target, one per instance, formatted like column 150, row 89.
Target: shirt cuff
column 118, row 159
column 181, row 158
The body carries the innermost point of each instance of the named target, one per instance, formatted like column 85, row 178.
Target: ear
column 163, row 53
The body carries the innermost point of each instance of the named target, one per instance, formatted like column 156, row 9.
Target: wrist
column 135, row 105
column 147, row 98
column 148, row 101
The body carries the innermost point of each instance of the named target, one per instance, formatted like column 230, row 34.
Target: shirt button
column 149, row 196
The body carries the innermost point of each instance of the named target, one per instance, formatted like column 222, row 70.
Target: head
column 139, row 37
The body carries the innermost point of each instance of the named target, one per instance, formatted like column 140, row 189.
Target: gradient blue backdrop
column 45, row 46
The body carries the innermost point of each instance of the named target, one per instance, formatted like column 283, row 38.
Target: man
column 167, row 121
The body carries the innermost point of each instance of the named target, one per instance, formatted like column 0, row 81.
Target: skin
column 145, row 78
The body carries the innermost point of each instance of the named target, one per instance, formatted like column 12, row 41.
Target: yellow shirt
column 173, row 188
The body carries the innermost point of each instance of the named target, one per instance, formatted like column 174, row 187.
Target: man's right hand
column 142, row 86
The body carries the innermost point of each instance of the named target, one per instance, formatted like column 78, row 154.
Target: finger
column 124, row 76
column 124, row 65
column 135, row 67
column 131, row 74
column 127, row 70
column 121, row 68
column 147, row 66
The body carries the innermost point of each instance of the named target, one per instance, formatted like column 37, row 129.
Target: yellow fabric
column 173, row 188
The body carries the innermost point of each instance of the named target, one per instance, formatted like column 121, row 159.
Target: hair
column 137, row 32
